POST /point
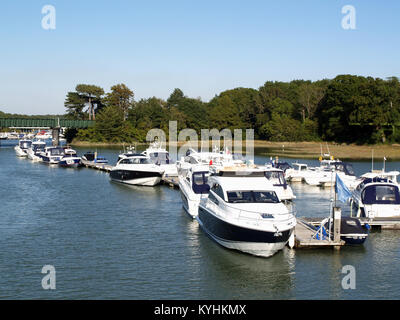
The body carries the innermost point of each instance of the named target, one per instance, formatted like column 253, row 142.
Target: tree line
column 348, row 108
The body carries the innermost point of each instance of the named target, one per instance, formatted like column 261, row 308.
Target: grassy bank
column 305, row 150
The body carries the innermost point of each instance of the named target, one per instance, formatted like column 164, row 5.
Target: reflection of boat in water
column 243, row 212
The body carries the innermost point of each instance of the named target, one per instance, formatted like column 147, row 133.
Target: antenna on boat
column 372, row 160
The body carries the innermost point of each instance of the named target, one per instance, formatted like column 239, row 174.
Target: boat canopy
column 381, row 194
column 25, row 144
column 283, row 166
column 200, row 182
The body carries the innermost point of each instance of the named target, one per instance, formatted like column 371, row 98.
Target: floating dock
column 380, row 223
column 304, row 237
column 97, row 166
column 172, row 181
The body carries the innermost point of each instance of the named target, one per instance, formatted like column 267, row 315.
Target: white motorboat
column 193, row 187
column 70, row 159
column 52, row 155
column 277, row 178
column 137, row 170
column 22, row 148
column 160, row 156
column 324, row 176
column 376, row 197
column 3, row 136
column 298, row 172
column 44, row 135
column 35, row 150
column 244, row 213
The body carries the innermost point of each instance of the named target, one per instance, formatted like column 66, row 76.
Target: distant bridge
column 32, row 123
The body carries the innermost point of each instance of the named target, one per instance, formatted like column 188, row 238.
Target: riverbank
column 305, row 150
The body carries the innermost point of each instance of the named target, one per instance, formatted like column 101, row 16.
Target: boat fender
column 367, row 226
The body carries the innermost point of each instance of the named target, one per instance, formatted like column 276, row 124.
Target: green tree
column 92, row 95
column 121, row 97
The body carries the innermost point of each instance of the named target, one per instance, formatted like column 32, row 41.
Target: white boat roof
column 243, row 183
column 380, row 174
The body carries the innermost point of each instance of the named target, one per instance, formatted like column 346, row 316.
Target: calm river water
column 109, row 241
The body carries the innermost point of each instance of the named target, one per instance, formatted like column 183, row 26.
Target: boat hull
column 255, row 242
column 70, row 163
column 136, row 177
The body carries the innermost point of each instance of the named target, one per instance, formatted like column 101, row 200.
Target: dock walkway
column 304, row 238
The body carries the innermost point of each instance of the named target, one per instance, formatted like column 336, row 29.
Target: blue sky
column 202, row 47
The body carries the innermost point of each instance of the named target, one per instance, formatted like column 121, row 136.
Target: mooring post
column 56, row 136
column 337, row 217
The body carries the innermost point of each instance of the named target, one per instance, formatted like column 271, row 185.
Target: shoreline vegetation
column 355, row 114
column 303, row 150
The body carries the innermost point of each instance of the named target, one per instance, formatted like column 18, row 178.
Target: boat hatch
column 381, row 194
column 199, row 182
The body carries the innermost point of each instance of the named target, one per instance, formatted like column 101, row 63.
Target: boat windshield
column 276, row 178
column 199, row 182
column 56, row 151
column 38, row 147
column 160, row 158
column 135, row 161
column 381, row 194
column 252, row 197
column 25, row 144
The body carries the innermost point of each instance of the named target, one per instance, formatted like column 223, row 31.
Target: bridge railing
column 44, row 123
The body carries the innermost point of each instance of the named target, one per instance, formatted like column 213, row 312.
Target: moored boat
column 22, row 148
column 70, row 159
column 243, row 212
column 137, row 170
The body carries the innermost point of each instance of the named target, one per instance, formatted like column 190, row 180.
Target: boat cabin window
column 381, row 194
column 217, row 189
column 252, row 197
column 135, row 161
column 276, row 178
column 56, row 151
column 199, row 183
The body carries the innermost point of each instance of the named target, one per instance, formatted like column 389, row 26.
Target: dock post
column 56, row 136
column 337, row 217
